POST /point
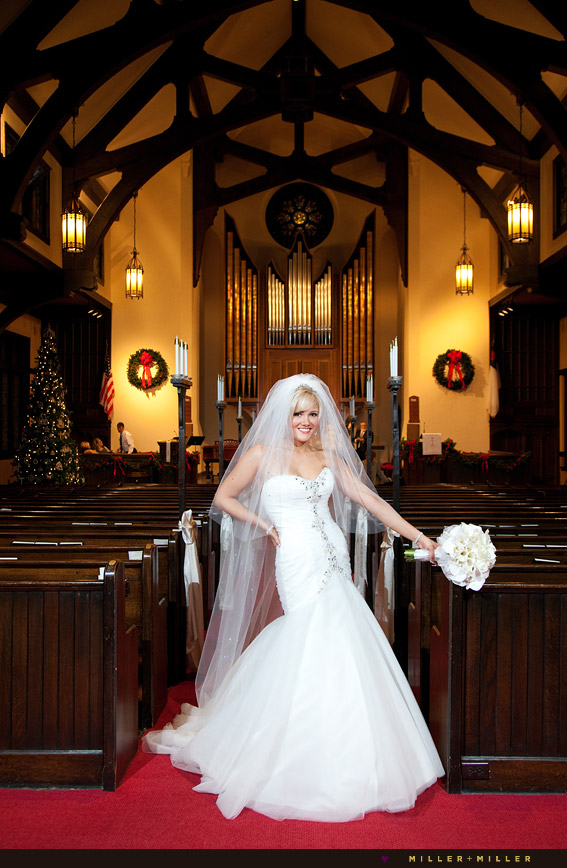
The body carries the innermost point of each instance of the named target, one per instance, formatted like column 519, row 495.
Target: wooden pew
column 146, row 607
column 62, row 538
column 494, row 663
column 68, row 681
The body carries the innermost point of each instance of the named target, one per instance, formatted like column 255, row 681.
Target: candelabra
column 182, row 384
column 401, row 585
column 369, row 437
column 394, row 385
column 220, row 405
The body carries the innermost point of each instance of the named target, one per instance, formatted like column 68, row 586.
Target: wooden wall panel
column 526, row 345
column 82, row 341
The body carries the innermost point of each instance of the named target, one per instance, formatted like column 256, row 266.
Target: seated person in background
column 126, row 439
column 99, row 445
column 85, row 448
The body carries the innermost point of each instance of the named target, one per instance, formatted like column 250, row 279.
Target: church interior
column 189, row 138
column 249, row 189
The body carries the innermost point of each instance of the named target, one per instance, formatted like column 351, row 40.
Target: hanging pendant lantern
column 73, row 227
column 134, row 269
column 520, row 209
column 520, row 217
column 73, row 219
column 464, row 269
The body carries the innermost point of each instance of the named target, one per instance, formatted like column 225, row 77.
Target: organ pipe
column 322, row 317
column 358, row 315
column 241, row 319
column 299, row 311
column 276, row 308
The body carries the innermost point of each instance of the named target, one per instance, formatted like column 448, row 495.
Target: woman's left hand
column 430, row 545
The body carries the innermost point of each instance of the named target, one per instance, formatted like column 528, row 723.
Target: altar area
column 455, row 467
column 108, row 468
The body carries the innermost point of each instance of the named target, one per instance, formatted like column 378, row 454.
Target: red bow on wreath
column 146, row 360
column 455, row 366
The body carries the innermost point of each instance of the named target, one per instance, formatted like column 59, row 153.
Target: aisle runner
column 155, row 808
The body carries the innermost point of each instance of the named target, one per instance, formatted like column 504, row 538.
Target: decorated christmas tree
column 47, row 453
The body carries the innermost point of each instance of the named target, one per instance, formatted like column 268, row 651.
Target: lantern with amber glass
column 134, row 269
column 520, row 209
column 464, row 269
column 73, row 219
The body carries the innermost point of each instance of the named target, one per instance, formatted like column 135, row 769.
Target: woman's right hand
column 273, row 535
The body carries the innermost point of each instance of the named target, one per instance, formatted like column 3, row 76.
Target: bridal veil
column 247, row 598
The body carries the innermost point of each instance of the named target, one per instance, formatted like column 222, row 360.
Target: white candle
column 239, row 408
column 369, row 388
column 220, row 390
column 351, row 406
column 185, row 366
column 394, row 358
column 176, row 356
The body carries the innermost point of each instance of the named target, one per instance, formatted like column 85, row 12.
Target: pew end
column 73, row 710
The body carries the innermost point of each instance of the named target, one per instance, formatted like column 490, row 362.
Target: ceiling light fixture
column 520, row 209
column 73, row 218
column 464, row 269
column 134, row 269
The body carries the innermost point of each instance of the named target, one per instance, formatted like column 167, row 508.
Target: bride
column 304, row 711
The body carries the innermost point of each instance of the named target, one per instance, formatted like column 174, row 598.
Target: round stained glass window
column 299, row 208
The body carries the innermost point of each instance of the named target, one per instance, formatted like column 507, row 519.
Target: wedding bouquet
column 465, row 554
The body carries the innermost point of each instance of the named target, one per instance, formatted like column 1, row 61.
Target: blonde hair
column 304, row 397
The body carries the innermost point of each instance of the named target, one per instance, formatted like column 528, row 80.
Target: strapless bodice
column 312, row 546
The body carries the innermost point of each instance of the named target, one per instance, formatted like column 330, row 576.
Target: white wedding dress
column 316, row 720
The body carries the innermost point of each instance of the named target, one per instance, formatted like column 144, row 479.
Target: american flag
column 106, row 397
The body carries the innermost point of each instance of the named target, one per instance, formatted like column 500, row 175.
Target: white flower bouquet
column 465, row 553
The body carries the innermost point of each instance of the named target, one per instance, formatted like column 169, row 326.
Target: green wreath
column 147, row 360
column 456, row 363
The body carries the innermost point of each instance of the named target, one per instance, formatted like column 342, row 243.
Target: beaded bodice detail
column 312, row 547
column 315, row 494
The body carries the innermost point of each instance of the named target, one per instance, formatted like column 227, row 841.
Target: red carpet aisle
column 156, row 808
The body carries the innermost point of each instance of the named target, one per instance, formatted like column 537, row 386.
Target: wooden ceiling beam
column 482, row 41
column 182, row 135
column 419, row 134
column 287, row 170
column 241, row 76
column 556, row 13
column 144, row 26
column 365, row 70
column 434, row 66
column 371, row 144
column 200, row 96
column 127, row 107
column 30, row 27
